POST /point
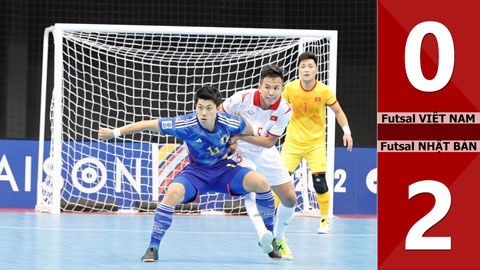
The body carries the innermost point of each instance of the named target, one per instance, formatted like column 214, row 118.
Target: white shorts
column 267, row 162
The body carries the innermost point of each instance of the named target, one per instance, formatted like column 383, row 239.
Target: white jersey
column 264, row 122
column 266, row 161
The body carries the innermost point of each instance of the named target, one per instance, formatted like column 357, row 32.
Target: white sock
column 252, row 211
column 284, row 217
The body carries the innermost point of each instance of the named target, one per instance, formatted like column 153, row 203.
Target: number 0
column 443, row 201
column 446, row 56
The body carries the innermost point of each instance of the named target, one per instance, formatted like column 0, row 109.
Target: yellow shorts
column 315, row 155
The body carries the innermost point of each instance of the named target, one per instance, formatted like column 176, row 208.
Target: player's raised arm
column 107, row 133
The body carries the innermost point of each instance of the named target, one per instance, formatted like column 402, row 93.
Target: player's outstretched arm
column 262, row 141
column 108, row 133
column 249, row 137
column 343, row 122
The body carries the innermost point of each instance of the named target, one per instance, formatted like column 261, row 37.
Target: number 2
column 443, row 200
column 341, row 175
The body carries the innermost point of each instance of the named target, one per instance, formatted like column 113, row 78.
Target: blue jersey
column 204, row 147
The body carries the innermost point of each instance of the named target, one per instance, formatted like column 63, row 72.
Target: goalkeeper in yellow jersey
column 306, row 130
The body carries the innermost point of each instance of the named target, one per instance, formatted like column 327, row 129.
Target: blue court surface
column 97, row 241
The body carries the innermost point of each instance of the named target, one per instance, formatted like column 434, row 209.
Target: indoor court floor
column 118, row 241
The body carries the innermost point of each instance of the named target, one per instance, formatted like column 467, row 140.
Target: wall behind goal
column 355, row 191
column 24, row 23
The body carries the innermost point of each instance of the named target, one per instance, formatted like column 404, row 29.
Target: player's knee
column 320, row 183
column 263, row 184
column 290, row 200
column 257, row 182
column 175, row 192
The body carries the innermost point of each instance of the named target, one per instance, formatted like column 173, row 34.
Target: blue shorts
column 225, row 177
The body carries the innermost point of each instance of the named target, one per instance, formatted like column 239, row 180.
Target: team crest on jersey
column 224, row 139
column 167, row 124
column 273, row 118
column 318, row 99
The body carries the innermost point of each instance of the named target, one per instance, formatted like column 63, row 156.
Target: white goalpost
column 112, row 75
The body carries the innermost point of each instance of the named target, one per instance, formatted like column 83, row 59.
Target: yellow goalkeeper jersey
column 307, row 124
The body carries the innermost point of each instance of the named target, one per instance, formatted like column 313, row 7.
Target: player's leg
column 291, row 155
column 317, row 161
column 256, row 182
column 286, row 208
column 243, row 160
column 180, row 190
column 239, row 181
column 285, row 212
column 323, row 199
column 277, row 200
column 265, row 236
column 270, row 164
column 252, row 211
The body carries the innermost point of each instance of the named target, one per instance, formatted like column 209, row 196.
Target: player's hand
column 105, row 133
column 232, row 148
column 234, row 139
column 348, row 141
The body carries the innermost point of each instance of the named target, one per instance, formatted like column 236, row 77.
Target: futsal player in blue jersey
column 206, row 133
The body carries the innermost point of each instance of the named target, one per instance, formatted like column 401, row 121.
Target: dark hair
column 209, row 92
column 307, row 55
column 271, row 71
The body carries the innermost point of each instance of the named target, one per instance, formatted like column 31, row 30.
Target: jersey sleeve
column 232, row 104
column 330, row 97
column 167, row 126
column 235, row 124
column 242, row 126
column 180, row 126
column 282, row 122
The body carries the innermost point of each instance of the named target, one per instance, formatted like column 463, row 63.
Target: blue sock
column 266, row 208
column 161, row 223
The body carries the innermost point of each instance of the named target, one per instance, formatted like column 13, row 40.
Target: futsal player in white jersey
column 268, row 114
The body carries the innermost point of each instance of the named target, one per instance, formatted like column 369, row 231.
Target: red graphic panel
column 398, row 171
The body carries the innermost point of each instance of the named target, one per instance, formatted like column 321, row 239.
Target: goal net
column 109, row 76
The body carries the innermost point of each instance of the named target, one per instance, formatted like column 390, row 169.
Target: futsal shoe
column 151, row 255
column 283, row 249
column 323, row 227
column 268, row 245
